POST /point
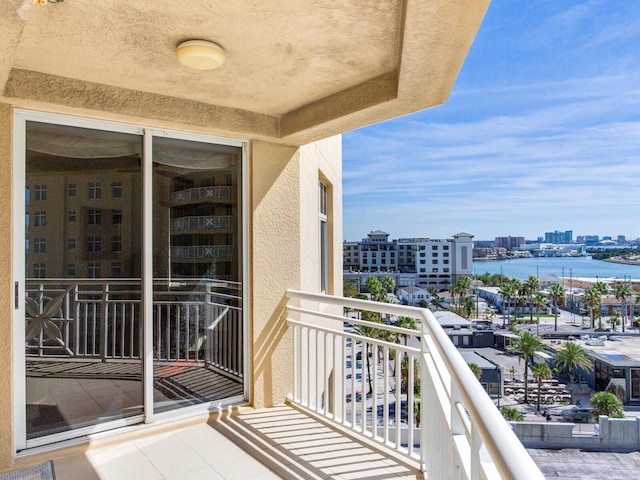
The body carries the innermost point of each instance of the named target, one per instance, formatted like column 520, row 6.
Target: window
column 116, row 244
column 41, row 193
column 94, row 217
column 71, row 215
column 116, row 269
column 39, row 270
column 94, row 244
column 434, row 262
column 93, row 270
column 71, row 270
column 434, row 270
column 324, row 234
column 434, row 247
column 434, row 255
column 71, row 190
column 116, row 190
column 635, row 383
column 41, row 218
column 71, row 244
column 40, row 245
column 116, row 217
column 95, row 190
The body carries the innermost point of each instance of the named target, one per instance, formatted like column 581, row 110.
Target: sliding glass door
column 197, row 274
column 130, row 281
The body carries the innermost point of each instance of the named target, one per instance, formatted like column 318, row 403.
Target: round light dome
column 200, row 54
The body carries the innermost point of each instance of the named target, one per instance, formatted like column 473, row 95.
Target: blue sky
column 541, row 132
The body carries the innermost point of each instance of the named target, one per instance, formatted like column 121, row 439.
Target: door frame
column 20, row 119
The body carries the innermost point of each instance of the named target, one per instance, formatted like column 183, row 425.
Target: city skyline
column 541, row 132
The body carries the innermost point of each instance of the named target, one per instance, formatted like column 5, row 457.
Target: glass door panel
column 197, row 273
column 83, row 320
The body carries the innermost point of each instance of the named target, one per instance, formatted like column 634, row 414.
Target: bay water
column 521, row 268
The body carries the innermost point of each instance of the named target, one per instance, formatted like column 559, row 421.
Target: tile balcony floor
column 279, row 442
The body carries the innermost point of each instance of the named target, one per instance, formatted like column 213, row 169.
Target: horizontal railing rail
column 421, row 399
column 202, row 193
column 204, row 222
column 201, row 251
column 193, row 321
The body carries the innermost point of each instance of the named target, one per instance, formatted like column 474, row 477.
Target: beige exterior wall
column 283, row 253
column 285, row 250
column 6, row 292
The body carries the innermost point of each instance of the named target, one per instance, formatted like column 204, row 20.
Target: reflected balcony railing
column 407, row 389
column 200, row 194
column 200, row 223
column 193, row 321
column 196, row 252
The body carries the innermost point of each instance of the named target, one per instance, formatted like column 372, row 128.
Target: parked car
column 577, row 414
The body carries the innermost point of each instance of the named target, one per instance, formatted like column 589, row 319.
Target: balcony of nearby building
column 364, row 403
column 201, row 195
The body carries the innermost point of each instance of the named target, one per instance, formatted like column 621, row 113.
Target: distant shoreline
column 623, row 261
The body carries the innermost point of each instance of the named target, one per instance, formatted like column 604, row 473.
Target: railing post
column 424, row 348
column 103, row 322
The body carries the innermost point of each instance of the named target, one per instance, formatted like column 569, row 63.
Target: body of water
column 521, row 268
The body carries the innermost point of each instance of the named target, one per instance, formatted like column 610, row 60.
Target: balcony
column 421, row 401
column 201, row 223
column 361, row 405
column 201, row 194
column 204, row 252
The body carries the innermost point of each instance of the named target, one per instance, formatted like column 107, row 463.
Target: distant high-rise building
column 559, row 237
column 509, row 242
column 622, row 239
column 427, row 261
column 588, row 239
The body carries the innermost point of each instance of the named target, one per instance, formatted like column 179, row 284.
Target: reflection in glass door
column 131, row 307
column 197, row 273
column 82, row 278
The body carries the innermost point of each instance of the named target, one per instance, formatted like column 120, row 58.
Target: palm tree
column 531, row 286
column 477, row 371
column 507, row 291
column 592, row 299
column 540, row 372
column 461, row 287
column 409, row 323
column 623, row 291
column 569, row 358
column 556, row 293
column 512, row 414
column 538, row 301
column 371, row 332
column 605, row 403
column 519, row 295
column 466, row 308
column 526, row 345
column 388, row 284
column 602, row 288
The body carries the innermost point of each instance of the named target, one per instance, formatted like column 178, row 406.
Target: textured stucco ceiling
column 301, row 69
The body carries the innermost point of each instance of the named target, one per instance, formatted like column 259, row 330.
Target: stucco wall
column 6, row 295
column 285, row 249
column 283, row 253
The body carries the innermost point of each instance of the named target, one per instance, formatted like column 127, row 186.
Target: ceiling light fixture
column 200, row 54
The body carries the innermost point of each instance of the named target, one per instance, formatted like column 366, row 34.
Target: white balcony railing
column 193, row 321
column 205, row 222
column 201, row 193
column 423, row 401
column 196, row 252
